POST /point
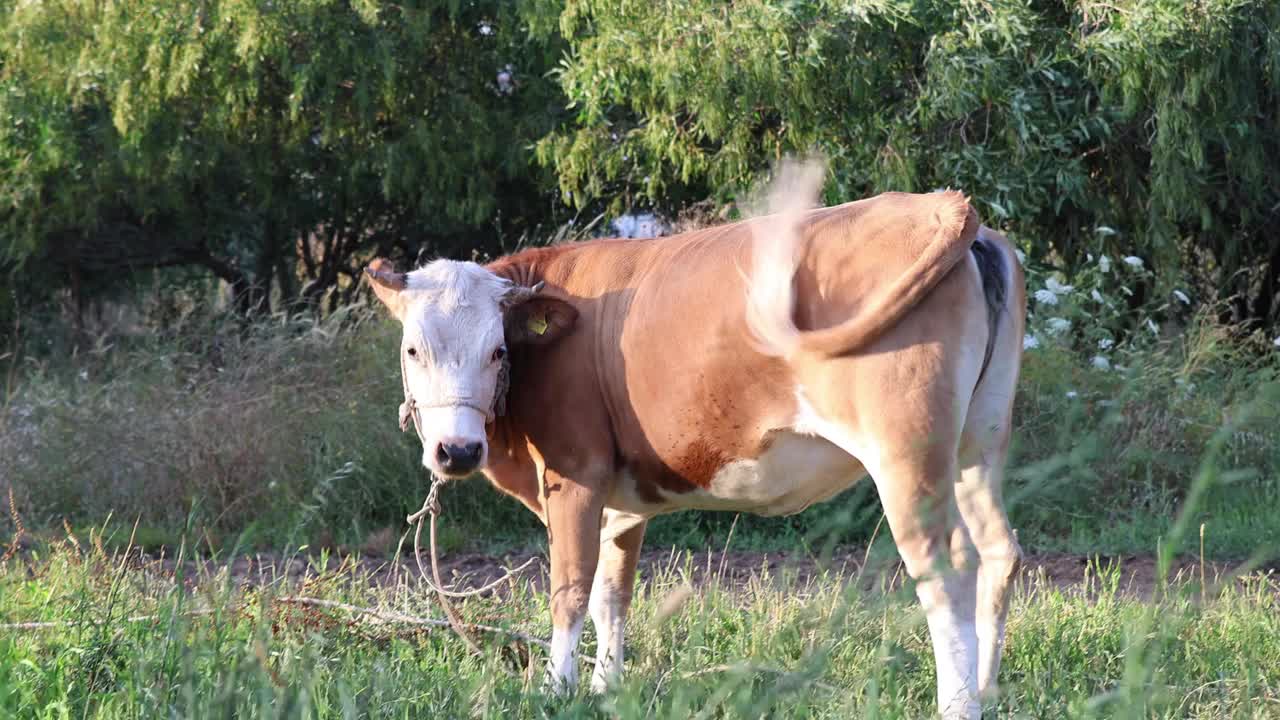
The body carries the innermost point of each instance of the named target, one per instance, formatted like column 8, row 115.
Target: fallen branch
column 53, row 625
column 383, row 616
column 386, row 616
column 391, row 616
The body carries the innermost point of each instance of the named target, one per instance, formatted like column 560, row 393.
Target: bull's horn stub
column 389, row 278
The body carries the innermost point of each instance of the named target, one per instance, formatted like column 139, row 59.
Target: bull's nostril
column 459, row 459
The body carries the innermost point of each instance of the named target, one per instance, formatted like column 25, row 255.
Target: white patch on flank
column 615, row 522
column 808, row 421
column 806, row 463
column 795, row 472
column 562, row 671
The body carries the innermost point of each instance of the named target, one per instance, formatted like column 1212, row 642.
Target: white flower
column 1056, row 287
column 505, row 80
column 1058, row 325
column 1276, row 342
column 1106, row 344
column 1133, row 261
column 1097, row 296
column 1104, row 263
column 1104, row 231
column 1046, row 297
column 1029, row 342
column 1072, row 394
column 486, row 29
column 1100, row 362
column 1182, row 297
column 1155, row 329
column 1022, row 257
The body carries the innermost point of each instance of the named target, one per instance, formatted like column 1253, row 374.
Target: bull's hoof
column 561, row 683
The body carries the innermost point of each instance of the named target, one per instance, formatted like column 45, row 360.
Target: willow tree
column 271, row 143
column 1150, row 127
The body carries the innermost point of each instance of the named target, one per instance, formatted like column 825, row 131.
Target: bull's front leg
column 573, row 533
column 610, row 601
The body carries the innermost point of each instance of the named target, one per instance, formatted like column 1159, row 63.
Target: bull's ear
column 538, row 320
column 388, row 285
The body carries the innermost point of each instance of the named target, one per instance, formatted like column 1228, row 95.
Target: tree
column 275, row 144
column 1148, row 128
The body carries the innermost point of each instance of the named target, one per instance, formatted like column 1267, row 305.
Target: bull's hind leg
column 978, row 498
column 611, row 599
column 985, row 447
column 916, row 493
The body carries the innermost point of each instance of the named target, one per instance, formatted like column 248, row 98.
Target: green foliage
column 1147, row 129
column 278, row 145
column 265, row 141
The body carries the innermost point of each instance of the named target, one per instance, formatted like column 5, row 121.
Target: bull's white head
column 459, row 322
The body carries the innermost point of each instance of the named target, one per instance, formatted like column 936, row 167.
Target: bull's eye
column 413, row 352
column 499, row 353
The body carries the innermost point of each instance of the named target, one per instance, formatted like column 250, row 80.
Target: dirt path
column 1137, row 574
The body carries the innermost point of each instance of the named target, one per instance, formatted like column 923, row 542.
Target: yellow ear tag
column 538, row 324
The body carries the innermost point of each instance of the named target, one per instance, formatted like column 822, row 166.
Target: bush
column 1148, row 128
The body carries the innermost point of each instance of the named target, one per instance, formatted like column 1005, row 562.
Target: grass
column 770, row 648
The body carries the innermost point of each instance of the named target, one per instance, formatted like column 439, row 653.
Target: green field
column 128, row 641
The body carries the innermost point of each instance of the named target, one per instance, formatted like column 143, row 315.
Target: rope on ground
column 431, row 509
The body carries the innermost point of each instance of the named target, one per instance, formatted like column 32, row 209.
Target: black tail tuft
column 992, row 268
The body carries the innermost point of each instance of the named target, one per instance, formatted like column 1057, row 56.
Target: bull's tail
column 778, row 251
column 993, row 269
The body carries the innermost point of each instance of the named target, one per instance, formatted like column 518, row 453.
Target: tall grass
column 285, row 433
column 285, row 426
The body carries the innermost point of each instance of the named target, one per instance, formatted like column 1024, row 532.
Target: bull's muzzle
column 459, row 459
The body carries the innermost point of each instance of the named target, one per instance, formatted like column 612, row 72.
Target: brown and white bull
column 759, row 366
